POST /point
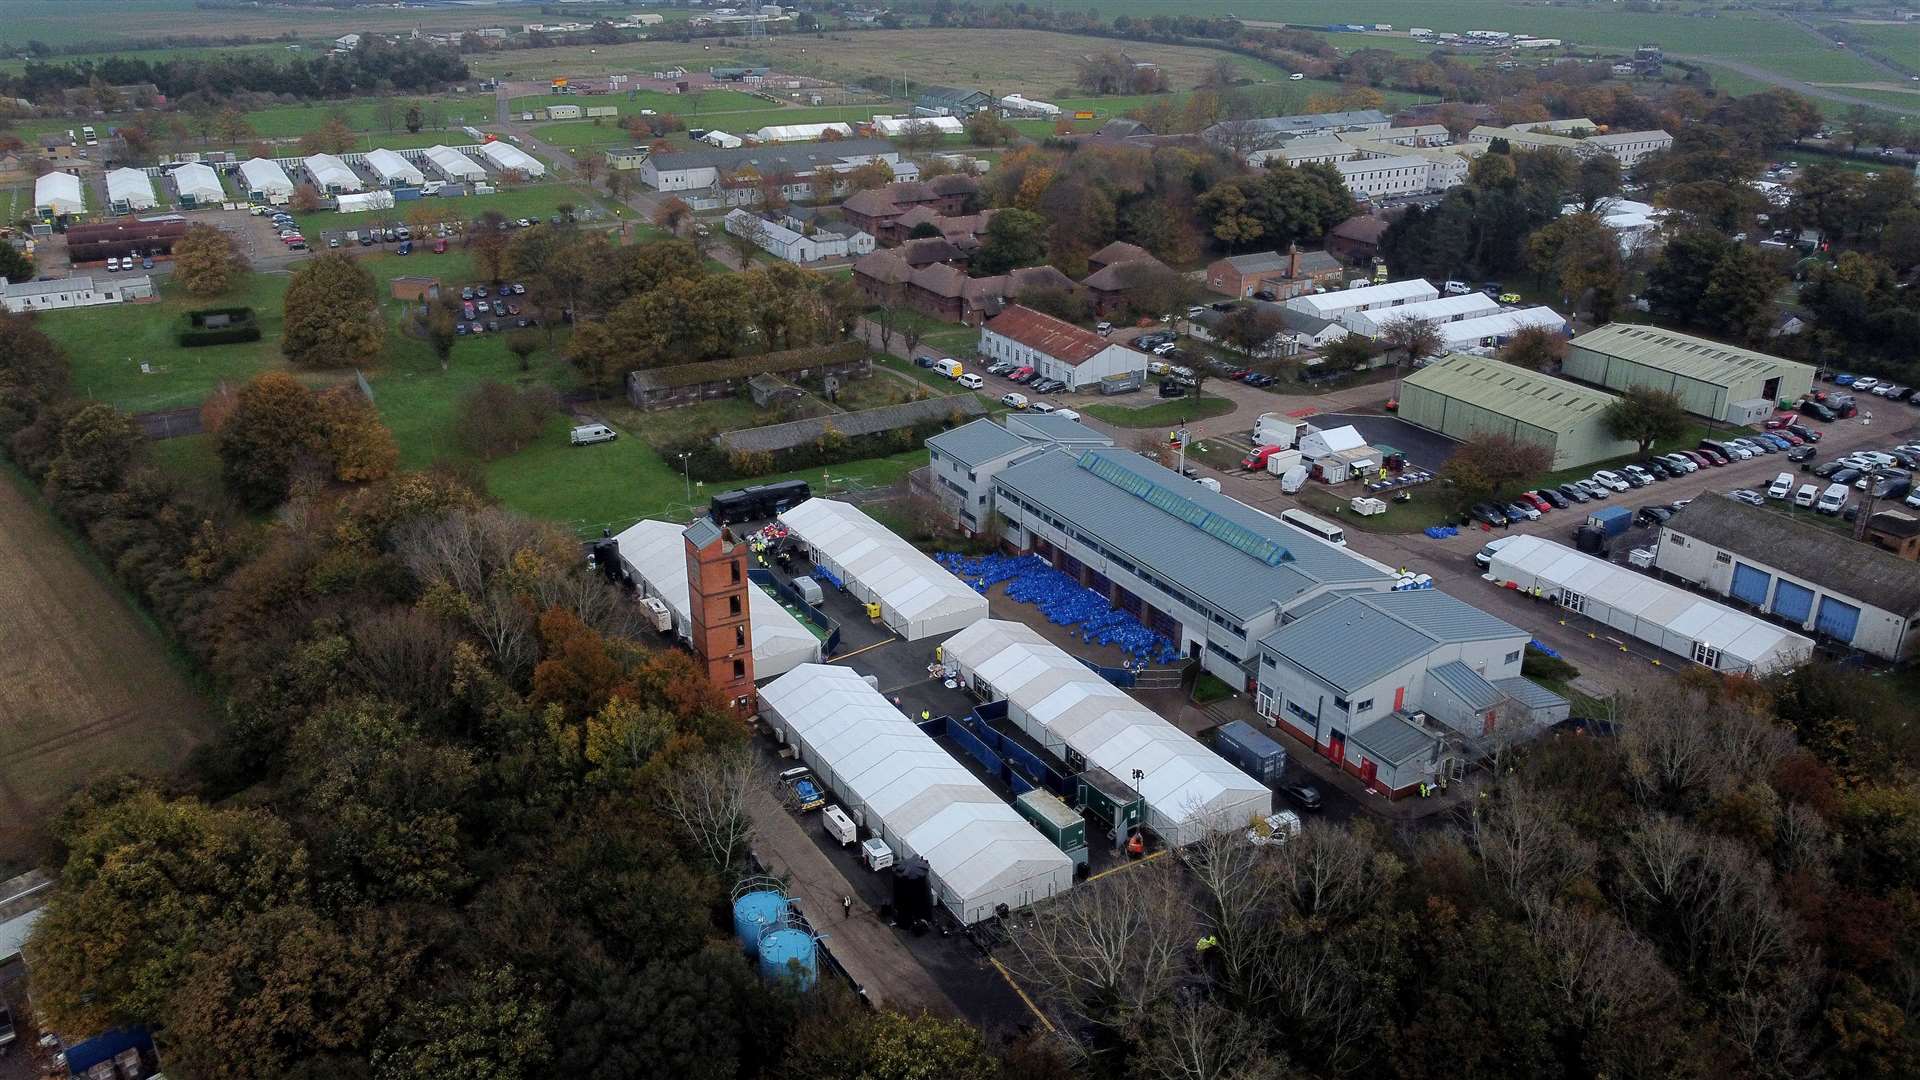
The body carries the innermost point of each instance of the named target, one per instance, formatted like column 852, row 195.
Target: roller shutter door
column 1793, row 603
column 1837, row 620
column 1750, row 584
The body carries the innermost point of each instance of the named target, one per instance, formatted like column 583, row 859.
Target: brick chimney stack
column 1293, row 262
column 721, row 628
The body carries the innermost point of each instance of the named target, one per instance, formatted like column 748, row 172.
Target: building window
column 733, row 605
column 739, row 637
column 1513, row 657
column 739, row 669
column 1706, row 655
column 735, row 567
column 1340, row 703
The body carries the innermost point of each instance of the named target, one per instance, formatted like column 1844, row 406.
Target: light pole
column 686, row 473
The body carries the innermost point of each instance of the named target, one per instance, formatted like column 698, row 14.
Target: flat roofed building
column 1373, row 323
column 1714, row 380
column 1463, row 396
column 1487, row 331
column 1822, row 582
column 962, row 461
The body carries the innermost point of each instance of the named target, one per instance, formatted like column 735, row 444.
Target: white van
column 949, row 367
column 971, row 381
column 1014, row 401
column 1782, row 485
column 1833, row 500
column 592, row 433
column 1456, row 288
column 1066, row 414
column 1804, row 498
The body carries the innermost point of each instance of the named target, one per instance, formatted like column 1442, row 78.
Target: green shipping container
column 1108, row 799
column 1054, row 819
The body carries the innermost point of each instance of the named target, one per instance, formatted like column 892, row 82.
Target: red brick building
column 878, row 211
column 720, row 627
column 1284, row 275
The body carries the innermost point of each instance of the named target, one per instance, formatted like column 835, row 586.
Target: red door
column 1399, row 698
column 1367, row 771
column 1336, row 748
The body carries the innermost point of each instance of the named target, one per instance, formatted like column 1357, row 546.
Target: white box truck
column 1273, row 429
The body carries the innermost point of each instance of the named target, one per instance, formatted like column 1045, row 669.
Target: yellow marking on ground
column 1035, row 1009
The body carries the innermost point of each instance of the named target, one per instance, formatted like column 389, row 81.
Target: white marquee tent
column 265, row 179
column 656, row 554
column 1468, row 333
column 455, row 165
column 918, row 598
column 509, row 158
column 1372, row 324
column 364, row 201
column 130, row 190
column 1647, row 608
column 198, row 184
column 1190, row 791
column 801, row 132
column 900, row 785
column 895, row 126
column 58, row 193
column 394, row 169
column 331, row 175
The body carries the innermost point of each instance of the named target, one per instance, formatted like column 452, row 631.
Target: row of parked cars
column 1025, row 376
column 477, row 303
column 1608, row 482
column 1867, row 384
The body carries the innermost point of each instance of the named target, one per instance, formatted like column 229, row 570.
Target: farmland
column 87, row 686
column 71, row 22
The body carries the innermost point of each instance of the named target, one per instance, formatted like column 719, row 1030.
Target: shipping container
column 1611, row 520
column 1055, row 820
column 1254, row 753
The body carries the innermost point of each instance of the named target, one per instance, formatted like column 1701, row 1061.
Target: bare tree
column 505, row 623
column 1335, row 871
column 1525, row 848
column 1242, row 902
column 1413, row 338
column 1683, row 741
column 1203, row 1041
column 707, row 795
column 1107, row 952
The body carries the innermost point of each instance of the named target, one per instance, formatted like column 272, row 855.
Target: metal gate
column 1793, row 603
column 1750, row 584
column 1837, row 620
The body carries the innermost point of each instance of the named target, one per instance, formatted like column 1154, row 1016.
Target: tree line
column 377, row 65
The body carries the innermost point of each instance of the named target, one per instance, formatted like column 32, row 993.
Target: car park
column 1818, row 411
column 1781, row 487
column 1636, row 476
column 1801, row 453
column 1554, row 497
column 1845, row 474
column 1574, row 493
column 1488, row 514
column 1593, row 488
column 1806, row 496
column 1657, row 469
column 1865, row 382
column 1680, row 463
column 1832, row 500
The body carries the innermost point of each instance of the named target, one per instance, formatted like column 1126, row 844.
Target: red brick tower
column 722, row 630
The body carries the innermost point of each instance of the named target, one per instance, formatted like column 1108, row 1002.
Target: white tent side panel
column 131, row 188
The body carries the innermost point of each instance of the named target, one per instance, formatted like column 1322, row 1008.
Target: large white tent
column 361, row 202
column 1373, row 323
column 455, row 165
column 918, row 598
column 1190, row 791
column 265, row 180
column 198, row 185
column 1647, row 608
column 901, row 786
column 58, row 193
column 394, row 169
column 656, row 555
column 509, row 158
column 801, row 132
column 331, row 175
column 130, row 190
column 1468, row 333
column 895, row 126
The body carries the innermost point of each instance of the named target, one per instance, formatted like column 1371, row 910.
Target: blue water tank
column 788, row 953
column 753, row 913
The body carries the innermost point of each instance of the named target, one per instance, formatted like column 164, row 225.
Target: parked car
column 1680, row 463
column 1845, row 475
column 1652, row 516
column 1610, row 480
column 1636, row 475
column 1517, row 511
column 1529, row 498
column 1484, row 557
column 1865, row 382
column 1657, row 469
column 1553, row 496
column 1593, row 487
column 1573, row 493
column 1801, row 453
column 1818, row 411
column 1748, row 496
column 1022, row 375
column 1306, row 796
column 1488, row 514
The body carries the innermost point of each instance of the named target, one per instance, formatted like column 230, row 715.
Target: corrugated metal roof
column 1053, row 337
column 1538, row 400
column 1683, row 354
column 1529, row 694
column 1467, row 684
column 776, row 437
column 1394, row 741
column 1789, row 545
column 1354, row 641
column 973, row 443
column 1215, row 571
column 1047, row 427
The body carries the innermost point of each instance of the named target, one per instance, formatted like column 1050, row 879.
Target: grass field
column 87, row 685
column 72, row 22
column 363, row 114
column 537, row 201
column 687, row 105
column 1166, row 414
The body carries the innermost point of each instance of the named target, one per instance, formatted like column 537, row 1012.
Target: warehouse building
column 917, row 597
column 1823, row 582
column 130, row 190
column 454, row 165
column 1190, row 792
column 1720, row 382
column 1462, row 396
column 265, row 181
column 1391, row 686
column 899, row 785
column 509, row 158
column 1057, row 349
column 1211, row 573
column 394, row 170
column 962, row 461
column 655, row 555
column 1647, row 609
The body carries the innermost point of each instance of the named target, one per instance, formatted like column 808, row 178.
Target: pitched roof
column 1257, row 262
column 1115, row 277
column 741, row 367
column 1833, row 561
column 976, row 442
column 1468, row 685
column 1120, row 251
column 1350, row 643
column 1055, row 337
column 885, row 265
column 1683, row 354
column 1395, row 741
column 774, row 437
column 1363, row 228
column 1503, row 389
column 702, row 533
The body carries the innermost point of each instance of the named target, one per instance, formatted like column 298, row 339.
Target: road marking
column 857, row 652
column 1035, row 1009
column 1125, row 866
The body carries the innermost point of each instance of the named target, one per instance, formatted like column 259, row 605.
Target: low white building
column 266, row 181
column 1335, row 303
column 78, row 291
column 1015, row 105
column 1630, row 148
column 509, row 158
column 655, row 554
column 722, row 140
column 1488, row 331
column 129, row 190
column 198, row 185
column 779, row 133
column 394, row 170
column 794, row 246
column 454, row 165
column 1373, row 323
column 1386, row 177
column 363, row 201
column 58, row 194
column 1056, row 349
column 892, row 127
column 330, row 174
column 917, row 597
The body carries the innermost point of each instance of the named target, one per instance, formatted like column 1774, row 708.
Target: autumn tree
column 332, row 314
column 1014, row 238
column 1410, row 337
column 984, row 128
column 672, row 214
column 1485, row 466
column 1537, row 348
column 331, row 137
column 1348, row 352
column 307, row 199
column 352, row 437
column 274, row 428
column 205, row 261
column 487, row 242
column 232, row 126
column 497, row 420
column 1646, row 416
column 1581, row 256
column 523, row 344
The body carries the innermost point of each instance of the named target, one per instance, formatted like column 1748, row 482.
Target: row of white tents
column 656, row 555
column 917, row 597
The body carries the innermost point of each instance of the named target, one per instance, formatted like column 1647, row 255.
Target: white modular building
column 58, row 193
column 361, row 202
column 897, row 783
column 655, row 553
column 1490, row 330
column 1648, row 609
column 1374, row 323
column 918, row 598
column 509, row 158
column 331, row 175
column 198, row 185
column 1024, row 106
column 1190, row 792
column 454, row 165
column 801, row 132
column 892, row 127
column 266, row 181
column 1337, row 302
column 723, row 140
column 129, row 190
column 394, row 170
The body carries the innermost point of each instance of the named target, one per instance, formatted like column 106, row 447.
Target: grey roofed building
column 776, row 437
column 977, row 442
column 1363, row 636
column 1472, row 690
column 783, row 157
column 1303, row 123
column 1395, row 740
column 951, row 101
column 1056, row 430
column 1258, row 262
column 1225, row 553
column 1529, row 695
column 1835, row 561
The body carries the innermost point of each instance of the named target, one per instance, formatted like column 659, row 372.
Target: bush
column 497, row 420
column 230, row 325
column 1538, row 665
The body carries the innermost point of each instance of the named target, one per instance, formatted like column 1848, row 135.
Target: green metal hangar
column 1462, row 396
column 1719, row 382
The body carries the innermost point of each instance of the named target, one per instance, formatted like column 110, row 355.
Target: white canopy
column 1190, row 791
column 265, row 178
column 800, row 132
column 917, row 596
column 364, row 201
column 897, row 782
column 1468, row 333
column 58, row 193
column 455, row 165
column 655, row 554
column 394, row 169
column 1336, row 302
column 132, row 189
column 509, row 158
column 1647, row 608
column 894, row 126
column 331, row 174
column 198, row 183
column 1373, row 323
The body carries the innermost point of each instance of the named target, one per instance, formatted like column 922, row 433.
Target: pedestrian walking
column 846, row 907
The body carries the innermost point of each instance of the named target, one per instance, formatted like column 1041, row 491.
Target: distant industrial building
column 951, row 101
column 1253, row 134
column 962, row 461
column 1819, row 581
column 1463, row 396
column 712, row 178
column 78, row 291
column 1717, row 381
column 1057, row 349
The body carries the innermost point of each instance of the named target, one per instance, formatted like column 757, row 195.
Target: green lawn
column 686, row 105
column 364, row 114
column 1166, row 414
column 536, row 201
